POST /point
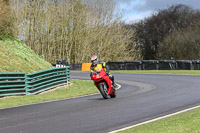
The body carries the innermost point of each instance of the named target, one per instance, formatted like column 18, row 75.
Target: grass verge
column 180, row 72
column 77, row 88
column 187, row 122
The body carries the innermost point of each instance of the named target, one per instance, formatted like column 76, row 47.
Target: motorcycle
column 104, row 84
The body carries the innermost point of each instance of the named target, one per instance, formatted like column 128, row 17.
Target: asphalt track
column 142, row 97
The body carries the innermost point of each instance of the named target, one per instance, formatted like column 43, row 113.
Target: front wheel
column 104, row 91
column 113, row 95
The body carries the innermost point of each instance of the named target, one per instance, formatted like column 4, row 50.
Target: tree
column 73, row 30
column 5, row 17
column 151, row 31
column 182, row 45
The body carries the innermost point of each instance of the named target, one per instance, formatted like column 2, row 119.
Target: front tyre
column 104, row 90
column 113, row 95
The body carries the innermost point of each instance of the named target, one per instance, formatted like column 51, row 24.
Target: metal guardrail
column 12, row 84
column 33, row 83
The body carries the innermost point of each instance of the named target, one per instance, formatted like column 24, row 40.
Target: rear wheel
column 104, row 90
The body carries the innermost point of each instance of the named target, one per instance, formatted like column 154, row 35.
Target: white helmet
column 94, row 60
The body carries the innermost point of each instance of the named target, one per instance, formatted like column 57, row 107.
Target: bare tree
column 73, row 29
column 5, row 17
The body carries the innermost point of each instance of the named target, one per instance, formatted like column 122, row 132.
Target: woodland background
column 74, row 30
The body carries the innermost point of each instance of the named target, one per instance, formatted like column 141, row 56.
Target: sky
column 135, row 10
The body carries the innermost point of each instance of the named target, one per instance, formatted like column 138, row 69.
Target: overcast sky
column 139, row 9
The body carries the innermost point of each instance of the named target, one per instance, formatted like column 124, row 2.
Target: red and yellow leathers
column 98, row 68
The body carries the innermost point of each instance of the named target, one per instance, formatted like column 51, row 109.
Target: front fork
column 109, row 91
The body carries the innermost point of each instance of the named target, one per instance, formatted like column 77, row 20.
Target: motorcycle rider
column 98, row 65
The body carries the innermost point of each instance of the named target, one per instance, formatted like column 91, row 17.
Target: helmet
column 94, row 60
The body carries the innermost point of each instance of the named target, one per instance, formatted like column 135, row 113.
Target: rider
column 96, row 65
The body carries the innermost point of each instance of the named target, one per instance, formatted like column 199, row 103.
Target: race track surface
column 142, row 97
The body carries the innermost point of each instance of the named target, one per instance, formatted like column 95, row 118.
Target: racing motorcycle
column 104, row 84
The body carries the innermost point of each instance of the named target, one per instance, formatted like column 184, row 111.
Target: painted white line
column 162, row 117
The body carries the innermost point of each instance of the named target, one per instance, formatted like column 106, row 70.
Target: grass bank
column 15, row 56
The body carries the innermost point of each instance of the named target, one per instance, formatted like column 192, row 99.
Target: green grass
column 75, row 89
column 187, row 122
column 180, row 72
column 17, row 57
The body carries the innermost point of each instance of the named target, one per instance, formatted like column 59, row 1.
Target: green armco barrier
column 33, row 83
column 46, row 79
column 12, row 84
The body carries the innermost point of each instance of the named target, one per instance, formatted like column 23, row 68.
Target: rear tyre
column 104, row 91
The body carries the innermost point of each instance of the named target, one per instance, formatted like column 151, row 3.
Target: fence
column 12, row 84
column 33, row 83
column 155, row 65
column 75, row 66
